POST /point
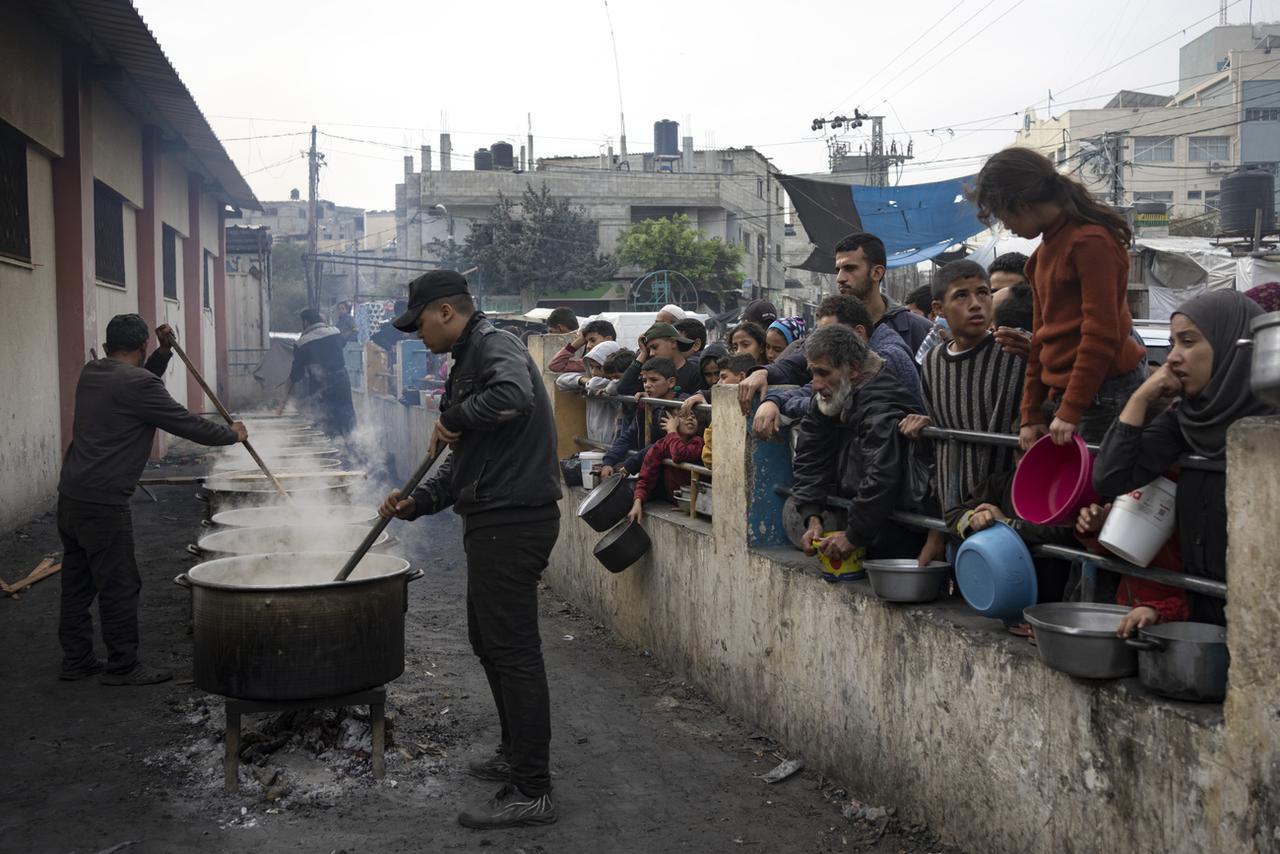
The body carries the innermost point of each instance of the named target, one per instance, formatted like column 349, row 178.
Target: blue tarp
column 920, row 221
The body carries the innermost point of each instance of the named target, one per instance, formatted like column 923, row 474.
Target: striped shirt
column 980, row 390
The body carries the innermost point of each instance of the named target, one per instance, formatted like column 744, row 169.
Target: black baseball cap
column 760, row 311
column 425, row 290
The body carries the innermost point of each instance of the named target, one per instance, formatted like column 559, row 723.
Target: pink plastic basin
column 1053, row 482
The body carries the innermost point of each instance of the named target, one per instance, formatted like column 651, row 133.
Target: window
column 760, row 250
column 208, row 278
column 15, row 215
column 1262, row 114
column 108, row 235
column 1210, row 201
column 169, row 242
column 1209, row 148
column 1154, row 196
column 760, row 187
column 1194, row 195
column 1153, row 149
column 777, row 252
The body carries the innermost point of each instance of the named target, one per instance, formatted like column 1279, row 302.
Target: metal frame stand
column 374, row 698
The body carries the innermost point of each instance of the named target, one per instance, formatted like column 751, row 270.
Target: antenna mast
column 617, row 71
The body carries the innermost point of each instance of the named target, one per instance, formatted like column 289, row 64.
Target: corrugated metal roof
column 151, row 88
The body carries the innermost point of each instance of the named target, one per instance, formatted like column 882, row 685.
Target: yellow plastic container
column 841, row 570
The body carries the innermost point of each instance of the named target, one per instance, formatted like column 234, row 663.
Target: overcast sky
column 950, row 75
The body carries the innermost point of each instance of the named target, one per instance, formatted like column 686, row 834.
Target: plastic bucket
column 587, row 460
column 1141, row 522
column 1053, row 482
column 846, row 569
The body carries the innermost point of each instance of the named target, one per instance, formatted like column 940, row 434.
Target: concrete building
column 727, row 193
column 113, row 194
column 1176, row 148
column 340, row 227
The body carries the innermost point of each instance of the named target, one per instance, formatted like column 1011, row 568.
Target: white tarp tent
column 1175, row 269
column 998, row 243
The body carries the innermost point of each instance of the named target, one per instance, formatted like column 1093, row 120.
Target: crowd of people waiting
column 1032, row 347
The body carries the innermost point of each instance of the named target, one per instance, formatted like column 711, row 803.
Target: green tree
column 672, row 243
column 288, row 287
column 539, row 245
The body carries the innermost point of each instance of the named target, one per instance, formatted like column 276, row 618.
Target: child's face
column 774, row 344
column 613, row 375
column 710, row 371
column 686, row 425
column 728, row 377
column 656, row 385
column 967, row 307
column 593, row 369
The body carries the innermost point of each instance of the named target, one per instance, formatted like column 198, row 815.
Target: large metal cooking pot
column 607, row 504
column 1079, row 639
column 224, row 493
column 1184, row 661
column 301, row 458
column 284, row 514
column 622, row 546
column 904, row 580
column 1264, row 376
column 294, row 539
column 277, row 627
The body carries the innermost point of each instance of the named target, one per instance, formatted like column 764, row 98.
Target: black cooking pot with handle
column 607, row 504
column 623, row 546
column 1183, row 661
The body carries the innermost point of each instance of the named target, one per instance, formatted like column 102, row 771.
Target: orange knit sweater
column 1082, row 325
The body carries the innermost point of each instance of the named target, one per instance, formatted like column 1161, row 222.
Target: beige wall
column 117, row 146
column 171, row 197
column 31, row 71
column 30, row 451
column 175, row 378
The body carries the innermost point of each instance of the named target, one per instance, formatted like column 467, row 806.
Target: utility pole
column 312, row 266
column 1114, row 145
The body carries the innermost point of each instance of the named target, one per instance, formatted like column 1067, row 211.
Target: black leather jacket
column 506, row 458
column 860, row 456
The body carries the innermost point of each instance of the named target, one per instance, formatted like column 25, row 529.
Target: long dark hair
column 751, row 328
column 1021, row 176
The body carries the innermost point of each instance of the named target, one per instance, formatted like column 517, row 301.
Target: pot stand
column 374, row 698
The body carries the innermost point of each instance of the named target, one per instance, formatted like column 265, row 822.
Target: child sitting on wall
column 681, row 444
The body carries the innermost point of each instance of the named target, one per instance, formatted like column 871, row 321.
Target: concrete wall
column 117, row 146
column 31, row 68
column 31, row 450
column 939, row 712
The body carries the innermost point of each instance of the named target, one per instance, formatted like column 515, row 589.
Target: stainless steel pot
column 1079, row 639
column 223, row 493
column 1264, row 376
column 296, row 539
column 1183, row 661
column 903, row 580
column 607, row 504
column 312, row 459
column 277, row 627
column 284, row 514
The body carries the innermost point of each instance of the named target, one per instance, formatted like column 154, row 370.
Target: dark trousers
column 1106, row 406
column 98, row 562
column 504, row 564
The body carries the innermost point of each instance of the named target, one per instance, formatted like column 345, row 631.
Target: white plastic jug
column 1141, row 522
column 588, row 459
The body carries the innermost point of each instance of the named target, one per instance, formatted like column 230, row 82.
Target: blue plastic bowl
column 995, row 573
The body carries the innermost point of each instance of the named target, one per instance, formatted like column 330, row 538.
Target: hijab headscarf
column 1267, row 296
column 714, row 350
column 1223, row 318
column 792, row 328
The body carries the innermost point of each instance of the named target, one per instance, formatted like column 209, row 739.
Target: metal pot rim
column 1262, row 321
column 277, row 588
column 1056, row 628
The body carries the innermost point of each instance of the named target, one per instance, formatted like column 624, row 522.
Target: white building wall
column 31, row 68
column 117, row 146
column 31, row 450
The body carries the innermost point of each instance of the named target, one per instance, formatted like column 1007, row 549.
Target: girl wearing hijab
column 781, row 334
column 1210, row 377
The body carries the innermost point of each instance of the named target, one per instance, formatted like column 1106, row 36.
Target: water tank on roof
column 1244, row 192
column 503, row 155
column 666, row 138
column 484, row 160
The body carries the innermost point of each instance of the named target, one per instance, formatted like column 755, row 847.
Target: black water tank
column 484, row 160
column 1243, row 192
column 503, row 155
column 666, row 138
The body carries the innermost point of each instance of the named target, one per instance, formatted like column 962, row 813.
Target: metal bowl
column 1079, row 639
column 904, row 580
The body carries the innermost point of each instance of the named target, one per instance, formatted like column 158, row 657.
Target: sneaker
column 84, row 671
column 141, row 674
column 496, row 768
column 510, row 808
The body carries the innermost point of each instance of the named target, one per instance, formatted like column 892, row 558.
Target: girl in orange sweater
column 1085, row 360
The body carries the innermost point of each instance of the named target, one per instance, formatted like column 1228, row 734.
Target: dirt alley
column 640, row 760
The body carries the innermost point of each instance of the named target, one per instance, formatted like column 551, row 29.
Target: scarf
column 1267, row 296
column 315, row 332
column 1223, row 318
column 792, row 328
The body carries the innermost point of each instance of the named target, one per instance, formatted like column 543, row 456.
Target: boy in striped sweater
column 970, row 383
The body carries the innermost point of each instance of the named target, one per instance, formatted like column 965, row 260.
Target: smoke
column 291, row 570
